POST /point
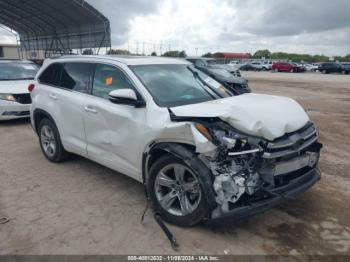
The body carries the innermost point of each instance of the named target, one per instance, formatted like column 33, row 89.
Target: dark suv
column 327, row 68
column 236, row 85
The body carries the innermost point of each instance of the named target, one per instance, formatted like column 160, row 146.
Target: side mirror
column 125, row 97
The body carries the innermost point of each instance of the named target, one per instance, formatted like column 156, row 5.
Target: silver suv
column 200, row 152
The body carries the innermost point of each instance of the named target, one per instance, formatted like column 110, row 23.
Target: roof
column 127, row 60
column 50, row 24
column 232, row 55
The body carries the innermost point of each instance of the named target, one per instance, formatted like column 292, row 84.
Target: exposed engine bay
column 244, row 170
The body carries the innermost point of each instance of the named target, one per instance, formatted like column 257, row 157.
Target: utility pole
column 161, row 48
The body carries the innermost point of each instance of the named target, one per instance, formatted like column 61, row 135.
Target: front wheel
column 176, row 192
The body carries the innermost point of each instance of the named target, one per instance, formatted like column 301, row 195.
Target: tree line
column 126, row 52
column 298, row 57
column 257, row 55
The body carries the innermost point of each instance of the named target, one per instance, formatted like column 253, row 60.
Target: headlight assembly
column 7, row 97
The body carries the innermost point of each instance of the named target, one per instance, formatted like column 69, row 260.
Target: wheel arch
column 185, row 152
column 39, row 115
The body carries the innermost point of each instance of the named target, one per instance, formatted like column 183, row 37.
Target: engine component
column 228, row 189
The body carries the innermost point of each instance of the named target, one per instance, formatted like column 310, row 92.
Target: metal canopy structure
column 55, row 27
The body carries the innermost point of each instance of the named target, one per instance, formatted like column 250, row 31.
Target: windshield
column 175, row 85
column 17, row 71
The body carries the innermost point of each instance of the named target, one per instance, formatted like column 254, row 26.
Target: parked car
column 332, row 67
column 235, row 85
column 201, row 154
column 346, row 68
column 15, row 76
column 248, row 67
column 267, row 65
column 260, row 66
column 211, row 63
column 311, row 67
column 287, row 67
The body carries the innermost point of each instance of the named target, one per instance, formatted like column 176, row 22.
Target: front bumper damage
column 244, row 174
column 261, row 174
column 277, row 196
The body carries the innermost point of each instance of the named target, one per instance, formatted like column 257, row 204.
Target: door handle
column 90, row 110
column 53, row 97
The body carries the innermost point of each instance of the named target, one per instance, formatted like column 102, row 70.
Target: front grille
column 23, row 98
column 292, row 143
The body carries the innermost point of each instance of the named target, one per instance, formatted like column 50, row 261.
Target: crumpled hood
column 259, row 115
column 15, row 87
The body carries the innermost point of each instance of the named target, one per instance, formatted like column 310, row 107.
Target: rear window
column 52, row 75
column 76, row 76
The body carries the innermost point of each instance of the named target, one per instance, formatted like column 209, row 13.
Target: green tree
column 262, row 53
column 182, row 54
column 210, row 55
column 154, row 54
column 175, row 54
column 118, row 52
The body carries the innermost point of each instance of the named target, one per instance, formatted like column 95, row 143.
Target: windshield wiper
column 196, row 75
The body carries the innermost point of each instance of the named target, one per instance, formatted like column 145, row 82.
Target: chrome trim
column 244, row 152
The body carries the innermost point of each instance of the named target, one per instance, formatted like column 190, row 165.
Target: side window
column 108, row 78
column 75, row 76
column 52, row 75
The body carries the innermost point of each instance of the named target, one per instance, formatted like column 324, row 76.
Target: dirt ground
column 80, row 207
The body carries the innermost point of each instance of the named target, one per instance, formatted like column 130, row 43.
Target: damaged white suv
column 201, row 153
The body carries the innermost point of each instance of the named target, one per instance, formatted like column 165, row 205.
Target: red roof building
column 232, row 55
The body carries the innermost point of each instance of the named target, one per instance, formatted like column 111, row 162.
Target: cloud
column 291, row 17
column 199, row 26
column 120, row 12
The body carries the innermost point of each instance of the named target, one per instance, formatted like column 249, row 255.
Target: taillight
column 31, row 88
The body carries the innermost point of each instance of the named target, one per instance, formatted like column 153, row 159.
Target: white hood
column 14, row 87
column 264, row 116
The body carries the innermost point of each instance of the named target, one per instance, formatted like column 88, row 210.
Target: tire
column 292, row 70
column 344, row 72
column 158, row 192
column 324, row 72
column 276, row 70
column 50, row 142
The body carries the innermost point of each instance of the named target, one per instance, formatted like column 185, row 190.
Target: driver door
column 110, row 127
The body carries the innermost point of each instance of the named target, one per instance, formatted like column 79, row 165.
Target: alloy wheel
column 177, row 189
column 48, row 141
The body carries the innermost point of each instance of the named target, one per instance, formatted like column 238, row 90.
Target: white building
column 9, row 51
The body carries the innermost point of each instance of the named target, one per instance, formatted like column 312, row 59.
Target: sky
column 200, row 26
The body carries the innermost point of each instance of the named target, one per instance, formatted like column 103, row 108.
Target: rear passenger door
column 66, row 104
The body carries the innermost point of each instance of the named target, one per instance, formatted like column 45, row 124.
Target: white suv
column 201, row 153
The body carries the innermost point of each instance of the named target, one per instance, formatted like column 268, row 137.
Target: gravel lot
column 79, row 207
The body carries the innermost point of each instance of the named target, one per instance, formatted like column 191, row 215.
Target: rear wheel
column 324, row 72
column 344, row 72
column 176, row 192
column 292, row 70
column 276, row 70
column 50, row 142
